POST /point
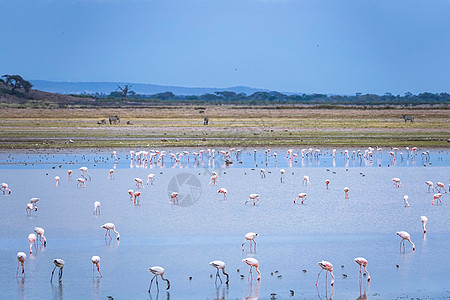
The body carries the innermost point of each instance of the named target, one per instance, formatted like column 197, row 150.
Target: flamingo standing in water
column 219, row 265
column 405, row 198
column 250, row 237
column 263, row 173
column 327, row 266
column 109, row 227
column 57, row 180
column 115, row 156
column 4, row 188
column 424, row 221
column 173, row 197
column 437, row 198
column 136, row 197
column 405, row 236
column 150, row 178
column 21, row 258
column 59, row 263
column 282, row 171
column 81, row 182
column 397, row 182
column 301, row 196
column 40, row 235
column 214, row 177
column 69, row 172
column 158, row 271
column 327, row 182
column 97, row 205
column 224, row 192
column 306, row 180
column 252, row 262
column 139, row 183
column 254, row 198
column 440, row 186
column 346, row 189
column 430, row 185
column 130, row 192
column 96, row 263
column 362, row 262
column 111, row 174
column 31, row 239
column 84, row 170
column 30, row 208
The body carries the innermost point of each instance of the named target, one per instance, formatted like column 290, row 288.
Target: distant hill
column 139, row 88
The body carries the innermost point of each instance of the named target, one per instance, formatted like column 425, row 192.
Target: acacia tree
column 16, row 82
column 125, row 90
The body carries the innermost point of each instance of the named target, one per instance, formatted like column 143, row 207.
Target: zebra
column 114, row 120
column 205, row 121
column 408, row 118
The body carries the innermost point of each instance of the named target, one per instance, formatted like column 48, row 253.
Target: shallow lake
column 202, row 227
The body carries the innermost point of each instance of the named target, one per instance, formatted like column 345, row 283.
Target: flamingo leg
column 360, row 273
column 51, row 279
column 254, row 247
column 17, row 272
column 60, row 274
column 151, row 281
column 98, row 269
column 250, row 274
column 157, row 285
column 318, row 277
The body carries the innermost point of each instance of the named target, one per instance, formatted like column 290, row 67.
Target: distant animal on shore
column 101, row 122
column 408, row 118
column 205, row 121
column 114, row 120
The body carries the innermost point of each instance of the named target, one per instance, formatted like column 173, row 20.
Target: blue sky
column 331, row 46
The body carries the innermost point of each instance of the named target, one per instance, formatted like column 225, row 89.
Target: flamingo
column 30, row 208
column 173, row 197
column 224, row 192
column 219, row 265
column 4, row 188
column 250, row 237
column 97, row 205
column 21, row 258
column 424, row 221
column 437, row 198
column 397, row 182
column 253, row 197
column 40, row 234
column 346, row 154
column 59, row 263
column 334, row 153
column 301, row 196
column 158, row 271
column 136, row 196
column 111, row 174
column 31, row 239
column 115, row 156
column 109, row 227
column 96, row 263
column 405, row 198
column 130, row 192
column 81, row 182
column 57, row 180
column 34, row 200
column 84, row 170
column 346, row 189
column 69, row 172
column 289, row 154
column 252, row 262
column 430, row 185
column 263, row 173
column 392, row 154
column 327, row 266
column 282, row 171
column 405, row 236
column 139, row 182
column 327, row 182
column 439, row 186
column 362, row 262
column 214, row 177
column 150, row 178
column 306, row 180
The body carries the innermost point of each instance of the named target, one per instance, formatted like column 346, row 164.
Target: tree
column 16, row 82
column 125, row 90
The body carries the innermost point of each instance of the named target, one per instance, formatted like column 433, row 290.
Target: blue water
column 184, row 238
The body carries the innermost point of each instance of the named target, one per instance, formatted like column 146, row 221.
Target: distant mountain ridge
column 61, row 87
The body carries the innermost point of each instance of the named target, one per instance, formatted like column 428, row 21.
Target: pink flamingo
column 109, row 227
column 97, row 205
column 21, row 258
column 40, row 234
column 334, row 153
column 346, row 154
column 111, row 174
column 57, row 180
column 405, row 236
column 84, row 170
column 81, row 182
column 327, row 182
column 254, row 198
column 224, row 192
column 327, row 266
column 282, row 171
column 115, row 156
column 69, row 172
column 157, row 270
column 219, row 265
column 301, row 196
column 30, row 208
column 397, row 182
column 173, row 197
column 96, row 263
column 346, row 189
column 405, row 198
column 31, row 239
column 130, row 192
column 150, row 178
column 59, row 263
column 362, row 262
column 437, row 198
column 430, row 185
column 306, row 180
column 250, row 237
column 392, row 154
column 136, row 197
column 214, row 177
column 289, row 153
column 139, row 182
column 4, row 188
column 424, row 221
column 252, row 262
column 439, row 186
